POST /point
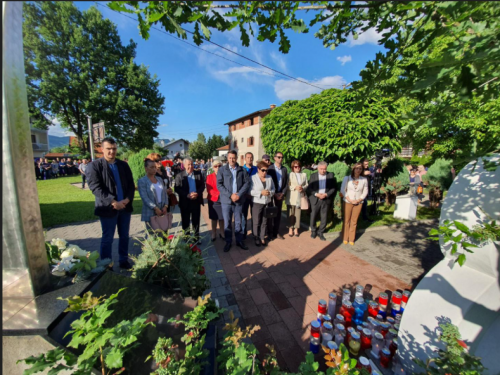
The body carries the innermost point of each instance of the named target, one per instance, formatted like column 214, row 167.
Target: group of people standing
column 46, row 169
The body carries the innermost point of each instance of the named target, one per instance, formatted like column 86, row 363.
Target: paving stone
column 281, row 335
column 293, row 357
column 291, row 319
column 279, row 301
column 223, row 290
column 248, row 308
column 234, row 279
column 259, row 296
column 263, row 333
column 269, row 286
column 241, row 292
column 288, row 290
column 231, row 299
column 269, row 313
column 277, row 277
column 300, row 305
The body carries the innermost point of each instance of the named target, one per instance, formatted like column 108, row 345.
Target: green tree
column 213, row 143
column 198, row 150
column 76, row 66
column 136, row 163
column 333, row 125
column 441, row 55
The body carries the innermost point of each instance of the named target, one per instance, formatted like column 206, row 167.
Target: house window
column 180, row 145
column 33, row 138
column 242, row 140
column 250, row 141
column 235, row 143
column 242, row 158
column 252, row 121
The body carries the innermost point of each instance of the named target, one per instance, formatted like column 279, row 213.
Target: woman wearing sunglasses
column 353, row 191
column 262, row 192
column 296, row 199
column 214, row 205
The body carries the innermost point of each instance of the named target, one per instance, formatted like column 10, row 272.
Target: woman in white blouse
column 262, row 192
column 298, row 185
column 353, row 191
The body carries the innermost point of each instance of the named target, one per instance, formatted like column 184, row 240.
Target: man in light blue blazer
column 233, row 184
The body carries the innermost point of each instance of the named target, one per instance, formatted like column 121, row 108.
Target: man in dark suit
column 233, row 184
column 190, row 186
column 279, row 174
column 321, row 190
column 111, row 181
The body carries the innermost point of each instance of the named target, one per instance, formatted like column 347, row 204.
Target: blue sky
column 203, row 92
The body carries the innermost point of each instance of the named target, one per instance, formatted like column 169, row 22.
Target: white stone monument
column 468, row 296
column 406, row 207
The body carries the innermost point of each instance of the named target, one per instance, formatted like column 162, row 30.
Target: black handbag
column 271, row 212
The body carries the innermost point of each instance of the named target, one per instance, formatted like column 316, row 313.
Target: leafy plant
column 171, row 262
column 53, row 252
column 455, row 359
column 166, row 353
column 104, row 347
column 440, row 174
column 479, row 234
column 136, row 163
column 333, row 125
column 395, row 179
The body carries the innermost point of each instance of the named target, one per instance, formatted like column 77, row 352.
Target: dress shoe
column 351, row 243
column 313, row 235
column 214, row 238
column 345, row 242
column 220, row 235
column 125, row 265
column 280, row 237
column 321, row 237
column 227, row 247
column 257, row 242
column 242, row 245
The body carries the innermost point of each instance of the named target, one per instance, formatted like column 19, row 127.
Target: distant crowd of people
column 46, row 169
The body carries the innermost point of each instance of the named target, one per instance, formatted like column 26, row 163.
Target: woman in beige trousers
column 353, row 192
column 298, row 185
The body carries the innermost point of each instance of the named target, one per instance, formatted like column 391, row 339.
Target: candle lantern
column 359, row 291
column 339, row 337
column 346, row 295
column 332, row 303
column 404, row 301
column 314, row 345
column 332, row 345
column 354, row 344
column 348, row 334
column 327, row 319
column 364, row 363
column 383, row 300
column 322, row 310
column 393, row 347
column 396, row 303
column 315, row 329
column 327, row 336
column 391, row 321
column 377, row 344
column 366, row 339
column 384, row 328
column 360, row 307
column 391, row 335
column 347, row 311
column 373, row 309
column 327, row 328
column 339, row 319
column 385, row 358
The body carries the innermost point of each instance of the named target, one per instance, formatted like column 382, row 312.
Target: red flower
column 171, row 237
column 202, row 271
column 462, row 344
column 190, row 334
column 195, row 249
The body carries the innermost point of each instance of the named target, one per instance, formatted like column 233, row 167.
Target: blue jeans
column 108, row 225
column 227, row 211
column 248, row 203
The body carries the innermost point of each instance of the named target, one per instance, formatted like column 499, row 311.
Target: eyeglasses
column 216, row 166
column 358, row 168
column 278, row 157
column 263, row 170
column 296, row 166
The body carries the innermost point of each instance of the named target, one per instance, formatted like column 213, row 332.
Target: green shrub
column 339, row 170
column 308, row 173
column 439, row 173
column 425, row 160
column 395, row 179
column 136, row 163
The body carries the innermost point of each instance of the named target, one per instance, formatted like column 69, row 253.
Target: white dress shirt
column 322, row 183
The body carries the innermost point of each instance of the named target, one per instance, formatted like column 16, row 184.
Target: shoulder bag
column 271, row 212
column 163, row 222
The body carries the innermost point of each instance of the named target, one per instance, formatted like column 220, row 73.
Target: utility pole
column 91, row 138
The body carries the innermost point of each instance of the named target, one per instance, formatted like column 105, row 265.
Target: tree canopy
column 438, row 54
column 76, row 66
column 333, row 125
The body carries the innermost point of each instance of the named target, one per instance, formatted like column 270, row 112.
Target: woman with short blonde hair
column 298, row 185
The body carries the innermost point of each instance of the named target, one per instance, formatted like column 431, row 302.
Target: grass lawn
column 385, row 218
column 62, row 203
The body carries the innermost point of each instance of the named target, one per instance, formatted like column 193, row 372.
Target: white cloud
column 290, row 90
column 344, row 59
column 279, row 61
column 370, row 36
column 57, row 130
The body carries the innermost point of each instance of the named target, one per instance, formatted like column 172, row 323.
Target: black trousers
column 322, row 207
column 83, row 181
column 259, row 221
column 190, row 214
column 275, row 223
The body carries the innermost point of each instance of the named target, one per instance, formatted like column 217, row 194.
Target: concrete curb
column 306, row 227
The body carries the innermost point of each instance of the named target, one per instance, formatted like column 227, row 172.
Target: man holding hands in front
column 233, row 184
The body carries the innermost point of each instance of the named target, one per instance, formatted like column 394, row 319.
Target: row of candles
column 378, row 333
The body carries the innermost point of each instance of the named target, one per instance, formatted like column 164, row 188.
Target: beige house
column 245, row 134
column 39, row 142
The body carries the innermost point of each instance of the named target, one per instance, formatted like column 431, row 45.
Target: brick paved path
column 278, row 287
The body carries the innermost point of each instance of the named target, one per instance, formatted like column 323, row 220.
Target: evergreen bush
column 395, row 179
column 440, row 173
column 339, row 170
column 136, row 163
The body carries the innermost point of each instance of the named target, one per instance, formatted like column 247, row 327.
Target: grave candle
column 398, row 318
column 364, row 363
column 354, row 344
column 391, row 335
column 348, row 334
column 373, row 309
column 380, row 318
column 314, row 345
column 339, row 337
column 404, row 301
column 393, row 347
column 391, row 321
column 360, row 307
column 346, row 295
column 347, row 311
column 396, row 303
column 327, row 319
column 396, row 327
column 339, row 319
column 359, row 291
column 332, row 303
column 327, row 336
column 327, row 328
column 384, row 328
column 322, row 310
column 332, row 345
column 366, row 339
column 385, row 358
column 383, row 299
column 315, row 329
column 377, row 344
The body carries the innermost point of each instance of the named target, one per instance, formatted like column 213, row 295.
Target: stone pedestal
column 406, row 207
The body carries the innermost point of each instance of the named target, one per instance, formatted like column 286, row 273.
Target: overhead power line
column 226, row 49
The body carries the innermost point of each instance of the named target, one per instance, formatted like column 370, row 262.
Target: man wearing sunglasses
column 233, row 184
column 279, row 174
column 251, row 170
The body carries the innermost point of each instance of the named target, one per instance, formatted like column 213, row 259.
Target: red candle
column 393, row 347
column 373, row 309
column 347, row 311
column 315, row 329
column 385, row 357
column 404, row 301
column 366, row 339
column 383, row 299
column 322, row 307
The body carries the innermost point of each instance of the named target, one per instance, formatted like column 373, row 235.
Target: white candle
column 326, row 337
